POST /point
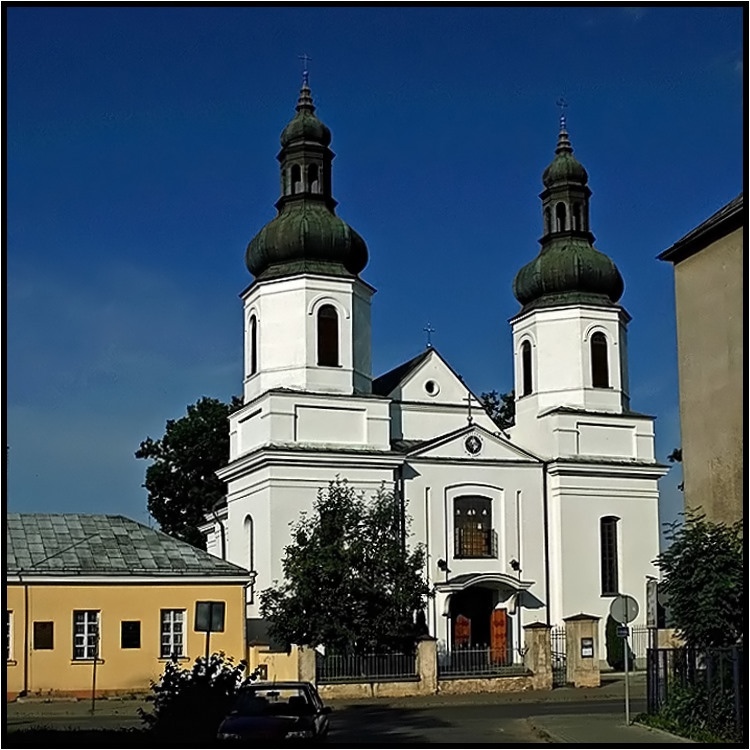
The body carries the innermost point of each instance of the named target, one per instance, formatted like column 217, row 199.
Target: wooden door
column 461, row 632
column 499, row 636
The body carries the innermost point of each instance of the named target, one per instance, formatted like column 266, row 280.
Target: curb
column 657, row 730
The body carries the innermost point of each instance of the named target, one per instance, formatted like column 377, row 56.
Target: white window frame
column 84, row 649
column 9, row 635
column 172, row 633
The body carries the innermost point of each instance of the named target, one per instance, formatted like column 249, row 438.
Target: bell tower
column 569, row 338
column 307, row 313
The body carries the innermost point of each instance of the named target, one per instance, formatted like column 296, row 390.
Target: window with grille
column 328, row 336
column 44, row 636
column 172, row 633
column 608, row 534
column 472, row 522
column 85, row 634
column 599, row 363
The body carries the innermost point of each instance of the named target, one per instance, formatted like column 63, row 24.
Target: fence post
column 538, row 656
column 427, row 667
column 306, row 664
column 582, row 650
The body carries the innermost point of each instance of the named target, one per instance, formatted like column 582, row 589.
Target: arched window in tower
column 599, row 361
column 296, row 179
column 547, row 220
column 527, row 383
column 577, row 225
column 328, row 336
column 608, row 555
column 560, row 217
column 313, row 182
column 250, row 553
column 252, row 335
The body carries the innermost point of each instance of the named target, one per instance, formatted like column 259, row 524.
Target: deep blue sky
column 141, row 146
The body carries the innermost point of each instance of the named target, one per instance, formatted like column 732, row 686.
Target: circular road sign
column 624, row 609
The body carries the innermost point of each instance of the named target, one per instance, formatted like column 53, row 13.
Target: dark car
column 274, row 711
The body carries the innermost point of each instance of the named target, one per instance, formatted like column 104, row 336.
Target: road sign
column 623, row 631
column 624, row 609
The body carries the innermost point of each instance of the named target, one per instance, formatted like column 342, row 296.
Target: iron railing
column 332, row 668
column 474, row 543
column 559, row 659
column 480, row 662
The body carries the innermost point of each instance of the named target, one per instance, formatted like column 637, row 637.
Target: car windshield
column 272, row 701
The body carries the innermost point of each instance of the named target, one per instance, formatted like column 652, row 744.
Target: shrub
column 616, row 648
column 190, row 703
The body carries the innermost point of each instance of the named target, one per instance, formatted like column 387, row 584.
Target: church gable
column 472, row 442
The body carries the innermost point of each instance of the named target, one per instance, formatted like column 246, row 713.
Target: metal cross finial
column 468, row 401
column 429, row 330
column 305, row 72
column 563, row 105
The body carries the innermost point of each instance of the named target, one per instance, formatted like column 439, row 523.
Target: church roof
column 84, row 544
column 390, row 380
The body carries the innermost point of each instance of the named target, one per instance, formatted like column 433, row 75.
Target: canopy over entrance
column 495, row 581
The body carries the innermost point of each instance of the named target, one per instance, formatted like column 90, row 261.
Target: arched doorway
column 478, row 620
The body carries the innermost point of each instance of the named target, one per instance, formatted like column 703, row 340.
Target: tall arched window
column 253, row 344
column 250, row 559
column 313, row 185
column 608, row 555
column 599, row 361
column 527, row 384
column 472, row 524
column 296, row 179
column 547, row 220
column 328, row 336
column 560, row 216
column 577, row 225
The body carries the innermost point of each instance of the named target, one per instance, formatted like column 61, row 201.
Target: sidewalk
column 599, row 729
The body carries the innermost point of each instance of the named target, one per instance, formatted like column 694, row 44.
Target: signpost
column 624, row 609
column 209, row 618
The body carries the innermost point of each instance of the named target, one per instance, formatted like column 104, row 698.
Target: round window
column 432, row 388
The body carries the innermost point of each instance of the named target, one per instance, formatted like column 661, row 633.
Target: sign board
column 623, row 631
column 209, row 617
column 587, row 648
column 651, row 603
column 624, row 609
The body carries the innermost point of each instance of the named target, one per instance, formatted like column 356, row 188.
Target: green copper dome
column 568, row 269
column 306, row 236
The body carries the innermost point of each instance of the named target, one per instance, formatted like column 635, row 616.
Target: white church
column 553, row 518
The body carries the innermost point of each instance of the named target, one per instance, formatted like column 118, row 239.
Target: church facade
column 549, row 519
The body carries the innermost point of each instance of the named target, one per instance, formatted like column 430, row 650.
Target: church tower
column 307, row 315
column 569, row 339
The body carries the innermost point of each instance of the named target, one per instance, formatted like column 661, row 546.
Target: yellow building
column 101, row 603
column 709, row 276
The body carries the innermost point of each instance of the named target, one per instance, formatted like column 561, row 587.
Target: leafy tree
column 351, row 583
column 703, row 572
column 675, row 457
column 182, row 484
column 189, row 704
column 501, row 407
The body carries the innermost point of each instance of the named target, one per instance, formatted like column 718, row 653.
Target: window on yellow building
column 8, row 634
column 44, row 636
column 85, row 634
column 130, row 634
column 172, row 633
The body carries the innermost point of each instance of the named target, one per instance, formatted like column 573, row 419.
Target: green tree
column 703, row 578
column 675, row 457
column 501, row 407
column 351, row 583
column 182, row 484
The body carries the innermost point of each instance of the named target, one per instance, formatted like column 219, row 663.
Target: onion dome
column 306, row 236
column 568, row 269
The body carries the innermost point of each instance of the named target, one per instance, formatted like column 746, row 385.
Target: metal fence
column 714, row 678
column 639, row 644
column 332, row 668
column 480, row 662
column 559, row 661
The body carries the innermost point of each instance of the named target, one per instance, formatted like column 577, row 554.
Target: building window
column 85, row 634
column 526, row 368
column 608, row 545
column 8, row 634
column 296, row 179
column 577, row 217
column 599, row 363
column 472, row 524
column 547, row 220
column 130, row 634
column 44, row 636
column 313, row 185
column 172, row 633
column 328, row 336
column 560, row 216
column 253, row 344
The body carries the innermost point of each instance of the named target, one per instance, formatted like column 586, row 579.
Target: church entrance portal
column 475, row 623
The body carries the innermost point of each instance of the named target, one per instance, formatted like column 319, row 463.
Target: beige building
column 709, row 284
column 98, row 603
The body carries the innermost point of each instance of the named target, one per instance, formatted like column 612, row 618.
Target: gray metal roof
column 83, row 544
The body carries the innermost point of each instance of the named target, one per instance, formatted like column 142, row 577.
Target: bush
column 190, row 703
column 616, row 648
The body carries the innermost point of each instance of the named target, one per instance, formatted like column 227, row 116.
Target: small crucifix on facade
column 429, row 330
